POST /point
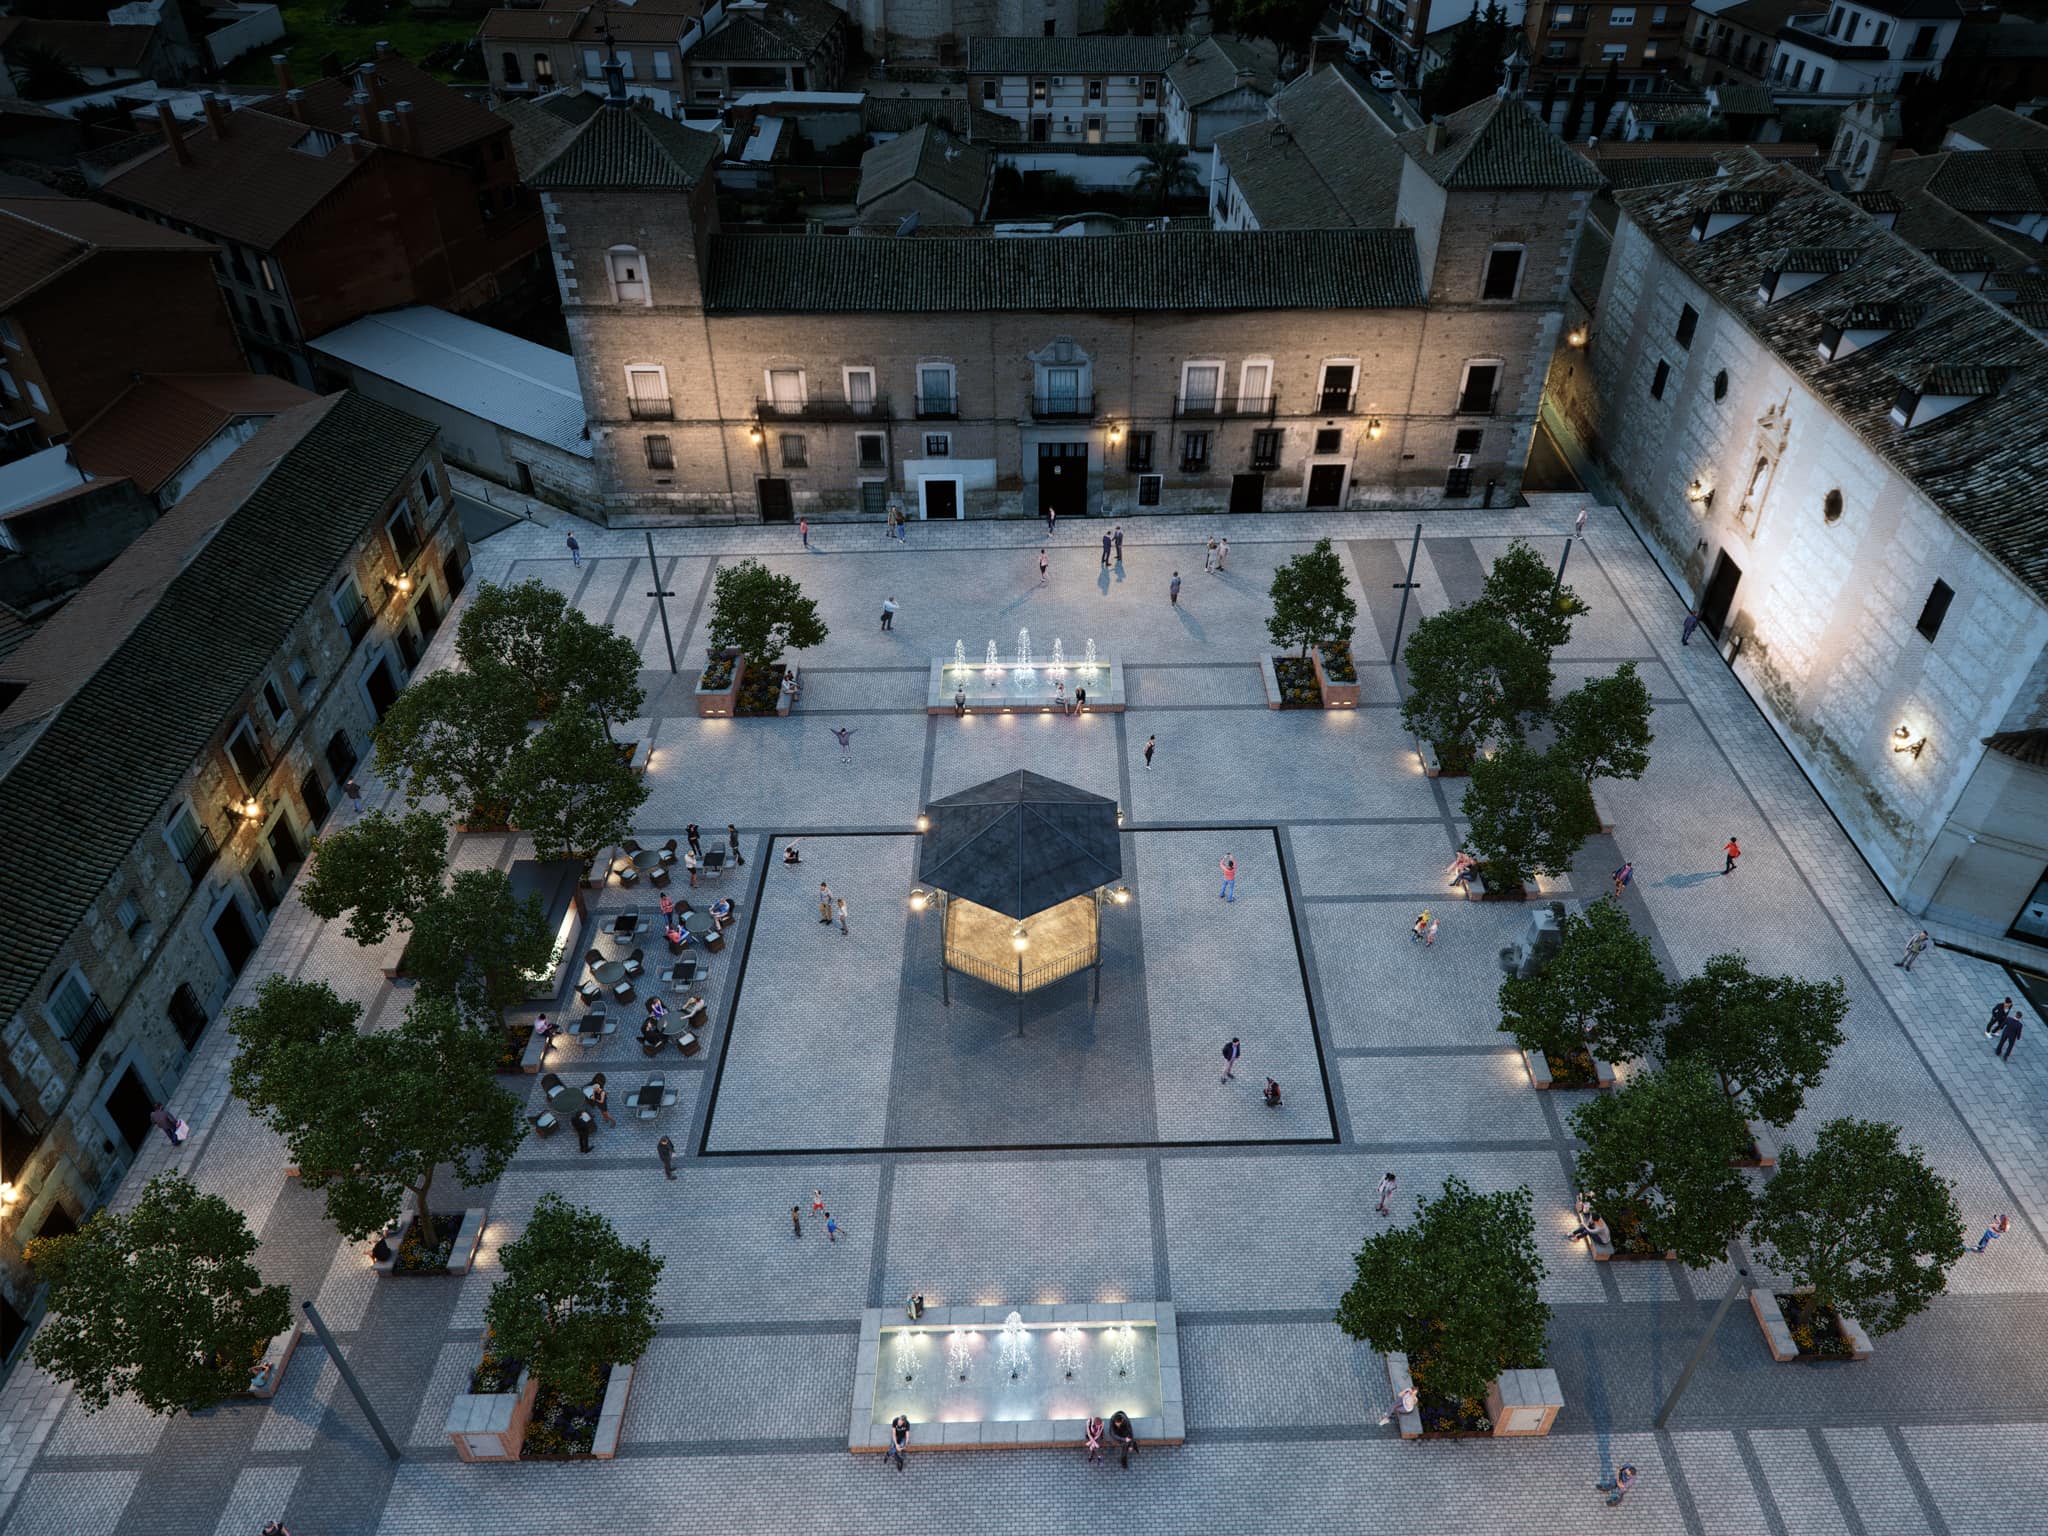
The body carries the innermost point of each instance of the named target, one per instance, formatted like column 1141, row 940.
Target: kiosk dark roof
column 1020, row 843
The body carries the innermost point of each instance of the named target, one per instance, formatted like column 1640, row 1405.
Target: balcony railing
column 1227, row 405
column 198, row 859
column 1062, row 407
column 641, row 408
column 355, row 618
column 937, row 407
column 1335, row 402
column 90, row 1030
column 824, row 408
column 1474, row 404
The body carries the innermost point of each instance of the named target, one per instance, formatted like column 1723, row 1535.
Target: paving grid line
column 1760, row 1484
column 1909, row 1465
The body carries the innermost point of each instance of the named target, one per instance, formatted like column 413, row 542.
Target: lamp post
column 1020, row 940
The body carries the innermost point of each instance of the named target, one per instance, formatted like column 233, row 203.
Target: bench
column 277, row 1356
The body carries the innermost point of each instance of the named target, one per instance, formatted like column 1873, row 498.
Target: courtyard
column 1081, row 1150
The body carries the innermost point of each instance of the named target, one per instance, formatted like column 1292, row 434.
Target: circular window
column 1831, row 506
column 1721, row 385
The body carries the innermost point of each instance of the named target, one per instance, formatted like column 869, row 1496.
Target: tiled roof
column 447, row 121
column 543, row 125
column 1812, row 258
column 1737, row 99
column 1210, row 69
column 2000, row 128
column 645, row 21
column 1067, row 55
column 1764, row 16
column 14, row 631
column 1979, row 465
column 136, row 674
column 624, row 148
column 1650, row 170
column 1285, row 269
column 254, row 186
column 1875, row 315
column 1668, row 109
column 1321, row 160
column 41, row 237
column 1955, row 238
column 787, row 31
column 1992, row 181
column 151, row 429
column 1918, row 10
column 932, row 157
column 1498, row 142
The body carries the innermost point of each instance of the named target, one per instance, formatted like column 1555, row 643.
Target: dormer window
column 1863, row 325
column 1943, row 390
column 1787, row 271
column 1729, row 210
column 1883, row 207
column 1966, row 264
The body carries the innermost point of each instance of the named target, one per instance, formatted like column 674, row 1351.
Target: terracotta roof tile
column 41, row 237
column 254, row 186
column 625, row 148
column 1498, row 142
column 447, row 121
column 152, row 429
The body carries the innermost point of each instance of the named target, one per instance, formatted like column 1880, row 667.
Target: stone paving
column 1098, row 1159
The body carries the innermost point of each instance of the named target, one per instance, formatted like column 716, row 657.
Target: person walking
column 844, row 737
column 1222, row 555
column 1093, row 1438
column 1420, row 926
column 165, row 1121
column 796, row 1221
column 1692, row 622
column 690, row 863
column 1229, row 868
column 585, row 1123
column 1622, row 878
column 1042, row 564
column 1151, row 746
column 1625, row 1478
column 1105, row 549
column 888, row 613
column 803, row 528
column 2008, row 1037
column 1996, row 1230
column 1272, row 1093
column 899, row 1437
column 831, row 1228
column 1231, row 1052
column 1915, row 947
column 354, row 791
column 817, row 1205
column 841, row 909
column 1118, row 536
column 824, row 902
column 695, row 838
column 1429, row 933
column 575, row 551
column 1579, row 524
column 595, row 1094
column 732, row 846
column 1998, row 1013
column 1173, row 590
column 666, row 1151
column 1386, row 1193
column 1734, row 851
column 1209, row 558
column 1052, row 518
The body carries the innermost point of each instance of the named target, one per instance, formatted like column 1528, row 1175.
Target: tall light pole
column 1406, row 587
column 661, row 595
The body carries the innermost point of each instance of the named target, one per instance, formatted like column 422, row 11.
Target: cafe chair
column 653, row 1047
column 630, row 846
column 589, row 991
column 545, row 1124
column 633, row 962
column 668, row 851
column 658, row 876
column 550, row 1084
column 592, row 957
column 623, row 991
column 628, row 875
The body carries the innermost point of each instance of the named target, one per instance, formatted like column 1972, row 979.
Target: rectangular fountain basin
column 1006, row 692
column 1041, row 1405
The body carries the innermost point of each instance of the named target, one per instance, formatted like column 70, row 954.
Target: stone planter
column 1271, row 679
column 1335, row 695
column 611, row 1417
column 467, row 1239
column 1763, row 1149
column 1770, row 1317
column 1476, row 889
column 1539, row 1071
column 1524, row 1402
column 634, row 753
column 491, row 1426
column 1607, row 1253
column 1399, row 1381
column 722, row 701
column 1603, row 819
column 277, row 1357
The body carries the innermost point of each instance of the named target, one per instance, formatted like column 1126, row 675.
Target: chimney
column 216, row 114
column 408, row 129
column 373, row 87
column 1432, row 138
column 383, row 48
column 295, row 103
column 353, row 143
column 173, row 134
column 281, row 66
column 387, row 128
column 360, row 115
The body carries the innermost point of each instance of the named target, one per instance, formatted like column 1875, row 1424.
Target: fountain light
column 956, row 1353
column 1016, row 1346
column 1070, row 1350
column 906, row 1353
column 1088, row 660
column 993, row 665
column 924, row 823
column 1123, row 1349
column 1123, row 895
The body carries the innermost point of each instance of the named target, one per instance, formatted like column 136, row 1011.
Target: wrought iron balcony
column 1063, row 407
column 824, row 408
column 1216, row 406
column 641, row 408
column 932, row 406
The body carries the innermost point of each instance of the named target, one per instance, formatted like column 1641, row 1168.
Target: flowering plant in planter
column 717, row 670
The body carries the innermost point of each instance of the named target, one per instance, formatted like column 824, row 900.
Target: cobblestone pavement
column 1151, row 1178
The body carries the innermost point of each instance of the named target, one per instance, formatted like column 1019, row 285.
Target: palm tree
column 41, row 74
column 1165, row 174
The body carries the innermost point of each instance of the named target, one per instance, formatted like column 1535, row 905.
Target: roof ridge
column 385, row 321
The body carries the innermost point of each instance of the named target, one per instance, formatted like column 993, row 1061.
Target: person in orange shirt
column 1734, row 852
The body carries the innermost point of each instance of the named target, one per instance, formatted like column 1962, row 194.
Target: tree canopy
column 575, row 1299
column 476, row 946
column 1603, row 990
column 1457, row 1290
column 1769, row 1037
column 762, row 613
column 1656, row 1163
column 1144, row 18
column 571, row 790
column 1863, row 1221
column 1603, row 725
column 513, row 629
column 451, row 734
column 1470, row 673
column 1312, row 601
column 1289, row 25
column 288, row 1022
column 1472, row 70
column 1163, row 174
column 1518, row 588
column 1529, row 812
column 595, row 668
column 161, row 1300
column 381, row 871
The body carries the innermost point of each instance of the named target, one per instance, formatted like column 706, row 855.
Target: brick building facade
column 770, row 376
column 221, row 714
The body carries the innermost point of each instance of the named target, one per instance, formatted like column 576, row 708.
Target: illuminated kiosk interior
column 1021, row 867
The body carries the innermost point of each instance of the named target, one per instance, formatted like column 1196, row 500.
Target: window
column 1553, row 51
column 860, row 389
column 938, row 445
column 187, row 1014
column 1149, row 91
column 1194, row 452
column 7, row 383
column 430, row 488
column 990, row 91
column 1266, row 448
column 793, row 451
column 1094, row 93
column 626, row 64
column 1663, row 377
column 245, row 751
column 1659, row 15
column 1052, row 28
column 1475, row 395
column 1149, row 487
column 1621, row 16
column 1798, row 70
column 130, row 916
column 1038, row 93
column 647, row 394
column 1062, row 395
column 1464, row 448
column 191, row 843
column 1255, row 385
column 1329, row 440
column 1138, row 453
column 1884, row 30
column 629, row 276
column 1835, row 22
column 1814, row 83
column 35, row 396
column 273, row 700
column 935, row 390
column 1721, row 385
column 404, row 533
column 1094, row 130
column 1564, row 16
column 1936, row 609
column 348, row 605
column 269, row 273
column 1831, row 507
column 786, row 390
column 1503, row 272
column 1688, row 322
column 301, row 675
column 75, row 1013
column 664, row 64
column 1613, row 53
column 1199, row 383
column 873, row 449
column 593, row 64
column 9, row 335
column 543, row 69
column 661, row 453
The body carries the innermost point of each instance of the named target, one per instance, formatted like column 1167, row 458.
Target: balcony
column 1062, row 407
column 824, row 408
column 198, row 858
column 656, row 408
column 1215, row 407
column 1336, row 402
column 355, row 618
column 937, row 407
column 90, row 1029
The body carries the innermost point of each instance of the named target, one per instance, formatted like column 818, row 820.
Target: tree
column 1457, row 1291
column 1164, row 175
column 1144, row 18
column 1603, row 725
column 1602, row 992
column 1518, row 589
column 1656, row 1164
column 476, row 946
column 452, row 734
column 284, row 1029
column 160, row 1301
column 1529, row 814
column 595, row 668
column 1312, row 601
column 381, row 871
column 1472, row 69
column 514, row 628
column 1769, row 1037
column 762, row 613
column 43, row 74
column 569, row 788
column 575, row 1300
column 1863, row 1221
column 369, row 1118
column 1467, row 667
column 1289, row 25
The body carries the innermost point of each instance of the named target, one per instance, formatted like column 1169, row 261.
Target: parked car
column 1385, row 80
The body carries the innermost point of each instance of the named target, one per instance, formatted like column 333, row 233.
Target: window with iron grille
column 793, row 451
column 1149, row 488
column 187, row 1014
column 661, row 453
column 1138, row 453
column 1194, row 452
column 1266, row 448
